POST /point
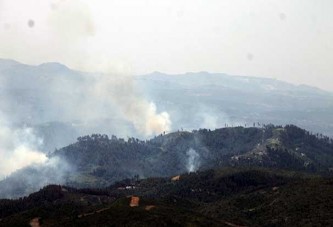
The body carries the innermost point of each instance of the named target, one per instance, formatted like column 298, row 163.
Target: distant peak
column 198, row 73
column 157, row 73
column 8, row 62
column 53, row 66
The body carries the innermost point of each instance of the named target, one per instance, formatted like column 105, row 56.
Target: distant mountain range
column 98, row 161
column 56, row 101
column 205, row 100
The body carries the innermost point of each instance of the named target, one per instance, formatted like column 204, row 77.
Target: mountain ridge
column 59, row 66
column 97, row 160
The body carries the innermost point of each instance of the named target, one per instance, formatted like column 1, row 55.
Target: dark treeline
column 245, row 196
column 98, row 160
column 113, row 159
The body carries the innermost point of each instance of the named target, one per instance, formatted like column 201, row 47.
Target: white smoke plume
column 193, row 161
column 122, row 91
column 81, row 97
column 23, row 167
column 33, row 177
column 110, row 92
column 18, row 149
column 96, row 97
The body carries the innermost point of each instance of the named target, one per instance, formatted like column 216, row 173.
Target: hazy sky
column 285, row 39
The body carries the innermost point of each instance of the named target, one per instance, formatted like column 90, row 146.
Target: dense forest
column 271, row 146
column 98, row 161
column 220, row 197
column 233, row 176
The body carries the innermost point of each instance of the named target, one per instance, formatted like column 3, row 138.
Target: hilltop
column 98, row 161
column 271, row 146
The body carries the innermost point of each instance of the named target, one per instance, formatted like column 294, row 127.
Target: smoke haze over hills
column 50, row 105
column 151, row 98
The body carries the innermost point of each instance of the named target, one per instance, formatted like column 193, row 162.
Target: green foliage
column 100, row 161
column 220, row 197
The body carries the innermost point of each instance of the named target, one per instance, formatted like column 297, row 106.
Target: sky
column 290, row 40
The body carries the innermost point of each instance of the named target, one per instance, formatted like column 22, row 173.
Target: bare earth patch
column 134, row 201
column 149, row 207
column 35, row 222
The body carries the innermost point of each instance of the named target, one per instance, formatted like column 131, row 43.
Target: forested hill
column 220, row 197
column 98, row 161
column 104, row 160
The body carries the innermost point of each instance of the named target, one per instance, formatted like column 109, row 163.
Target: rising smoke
column 33, row 177
column 18, row 149
column 37, row 95
column 122, row 91
column 193, row 160
column 67, row 96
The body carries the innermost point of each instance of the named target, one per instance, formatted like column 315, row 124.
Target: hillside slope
column 98, row 161
column 286, row 147
column 224, row 197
